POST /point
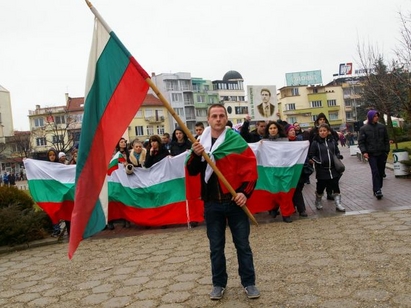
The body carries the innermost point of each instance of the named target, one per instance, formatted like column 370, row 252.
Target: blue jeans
column 377, row 164
column 217, row 216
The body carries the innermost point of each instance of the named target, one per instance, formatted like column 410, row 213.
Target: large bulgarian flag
column 155, row 196
column 279, row 166
column 115, row 90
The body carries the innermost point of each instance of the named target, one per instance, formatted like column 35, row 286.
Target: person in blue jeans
column 220, row 207
column 374, row 145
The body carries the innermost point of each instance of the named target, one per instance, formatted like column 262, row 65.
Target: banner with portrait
column 263, row 103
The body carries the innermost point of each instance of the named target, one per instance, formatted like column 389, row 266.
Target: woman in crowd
column 179, row 142
column 298, row 199
column 321, row 152
column 52, row 156
column 156, row 151
column 274, row 131
column 137, row 155
column 122, row 148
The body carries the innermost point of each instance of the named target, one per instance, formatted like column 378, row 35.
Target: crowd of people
column 221, row 208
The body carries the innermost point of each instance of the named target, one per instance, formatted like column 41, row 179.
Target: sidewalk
column 358, row 259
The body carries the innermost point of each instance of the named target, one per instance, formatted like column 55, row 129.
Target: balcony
column 157, row 119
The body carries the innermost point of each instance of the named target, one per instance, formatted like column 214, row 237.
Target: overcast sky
column 44, row 44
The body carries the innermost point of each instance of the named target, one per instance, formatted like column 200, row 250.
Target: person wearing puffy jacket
column 374, row 145
column 321, row 153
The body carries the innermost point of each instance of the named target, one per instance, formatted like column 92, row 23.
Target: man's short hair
column 167, row 135
column 215, row 106
column 266, row 90
column 199, row 124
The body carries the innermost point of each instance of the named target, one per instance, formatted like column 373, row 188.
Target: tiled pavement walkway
column 358, row 259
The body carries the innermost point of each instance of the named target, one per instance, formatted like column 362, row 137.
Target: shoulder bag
column 339, row 166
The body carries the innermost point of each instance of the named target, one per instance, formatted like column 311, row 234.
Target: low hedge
column 19, row 221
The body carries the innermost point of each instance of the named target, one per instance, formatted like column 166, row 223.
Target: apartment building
column 304, row 103
column 232, row 94
column 151, row 119
column 178, row 91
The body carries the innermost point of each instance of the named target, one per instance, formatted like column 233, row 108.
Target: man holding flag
column 238, row 163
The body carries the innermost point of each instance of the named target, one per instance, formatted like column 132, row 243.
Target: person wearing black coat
column 179, row 142
column 321, row 118
column 156, row 151
column 374, row 145
column 321, row 153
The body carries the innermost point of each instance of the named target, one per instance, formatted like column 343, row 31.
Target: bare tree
column 20, row 144
column 56, row 130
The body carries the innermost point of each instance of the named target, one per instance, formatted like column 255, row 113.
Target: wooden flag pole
column 192, row 139
column 180, row 122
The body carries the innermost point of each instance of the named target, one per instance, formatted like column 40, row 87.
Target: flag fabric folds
column 155, row 196
column 232, row 156
column 163, row 194
column 279, row 165
column 115, row 90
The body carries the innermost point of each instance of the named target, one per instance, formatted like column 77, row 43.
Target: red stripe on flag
column 171, row 214
column 120, row 110
column 57, row 210
column 262, row 201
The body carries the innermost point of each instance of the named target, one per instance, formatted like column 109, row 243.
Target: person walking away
column 220, row 208
column 374, row 145
column 321, row 152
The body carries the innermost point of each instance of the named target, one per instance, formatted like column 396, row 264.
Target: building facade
column 232, row 94
column 304, row 103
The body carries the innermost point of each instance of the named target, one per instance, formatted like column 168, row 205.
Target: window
column 331, row 102
column 348, row 102
column 38, row 122
column 150, row 130
column 41, row 141
column 179, row 111
column 160, row 130
column 60, row 119
column 241, row 110
column 294, row 92
column 290, row 106
column 148, row 113
column 139, row 114
column 316, row 104
column 349, row 115
column 241, row 98
column 58, row 139
column 292, row 119
column 139, row 130
column 172, row 85
column 333, row 116
column 176, row 97
column 200, row 98
column 206, row 87
column 201, row 112
column 233, row 98
column 212, row 100
column 196, row 87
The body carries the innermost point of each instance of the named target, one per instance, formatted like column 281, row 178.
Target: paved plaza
column 361, row 258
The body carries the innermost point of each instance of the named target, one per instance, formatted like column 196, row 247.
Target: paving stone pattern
column 358, row 259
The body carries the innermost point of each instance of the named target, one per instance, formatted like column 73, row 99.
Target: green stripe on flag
column 278, row 179
column 153, row 196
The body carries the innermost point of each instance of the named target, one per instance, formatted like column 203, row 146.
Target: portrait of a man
column 266, row 108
